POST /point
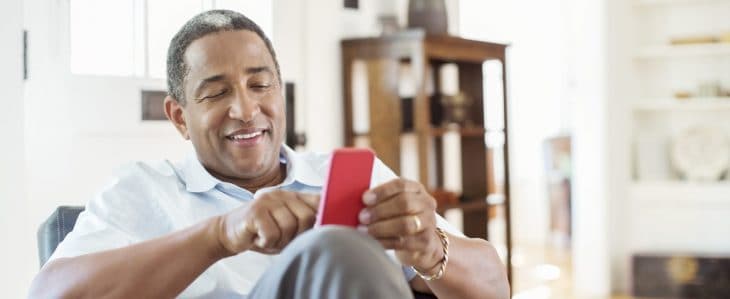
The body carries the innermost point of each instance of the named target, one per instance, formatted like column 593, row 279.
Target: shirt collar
column 198, row 179
column 300, row 169
column 195, row 176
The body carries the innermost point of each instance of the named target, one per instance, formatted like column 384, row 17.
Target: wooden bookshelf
column 425, row 55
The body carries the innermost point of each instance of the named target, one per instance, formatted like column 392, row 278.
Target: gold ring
column 418, row 223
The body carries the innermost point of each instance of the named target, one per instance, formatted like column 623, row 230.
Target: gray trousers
column 333, row 262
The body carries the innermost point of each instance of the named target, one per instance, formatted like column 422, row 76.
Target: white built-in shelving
column 663, row 69
column 649, row 3
column 680, row 191
column 679, row 51
column 690, row 104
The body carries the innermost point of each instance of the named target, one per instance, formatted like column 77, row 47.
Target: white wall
column 15, row 233
column 585, row 26
column 288, row 40
column 78, row 128
column 621, row 81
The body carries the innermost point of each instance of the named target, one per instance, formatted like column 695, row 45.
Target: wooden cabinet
column 427, row 118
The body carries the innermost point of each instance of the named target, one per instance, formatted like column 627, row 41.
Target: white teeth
column 246, row 136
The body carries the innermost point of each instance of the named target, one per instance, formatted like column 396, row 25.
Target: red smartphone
column 348, row 178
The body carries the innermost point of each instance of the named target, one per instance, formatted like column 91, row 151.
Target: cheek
column 281, row 113
column 275, row 110
column 208, row 123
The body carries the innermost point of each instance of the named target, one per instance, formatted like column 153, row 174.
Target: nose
column 243, row 107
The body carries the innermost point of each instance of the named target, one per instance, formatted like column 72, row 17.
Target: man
column 236, row 218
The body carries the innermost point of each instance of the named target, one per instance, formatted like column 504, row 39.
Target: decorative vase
column 456, row 108
column 429, row 15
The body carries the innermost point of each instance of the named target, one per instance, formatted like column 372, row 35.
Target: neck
column 271, row 178
column 278, row 176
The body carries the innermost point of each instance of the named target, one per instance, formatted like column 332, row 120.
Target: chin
column 252, row 168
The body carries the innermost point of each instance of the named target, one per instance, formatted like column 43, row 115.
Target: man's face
column 234, row 108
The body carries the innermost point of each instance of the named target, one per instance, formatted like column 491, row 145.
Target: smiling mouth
column 247, row 138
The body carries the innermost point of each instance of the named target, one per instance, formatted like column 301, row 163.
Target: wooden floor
column 541, row 272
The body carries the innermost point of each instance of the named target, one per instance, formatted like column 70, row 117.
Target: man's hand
column 401, row 215
column 269, row 223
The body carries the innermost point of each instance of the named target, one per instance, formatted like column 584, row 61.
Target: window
column 102, row 38
column 129, row 38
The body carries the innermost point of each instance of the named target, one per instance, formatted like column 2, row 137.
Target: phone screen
column 348, row 178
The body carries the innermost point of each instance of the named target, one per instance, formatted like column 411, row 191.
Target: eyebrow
column 214, row 78
column 220, row 77
column 258, row 69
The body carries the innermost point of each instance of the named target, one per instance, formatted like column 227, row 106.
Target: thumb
column 247, row 234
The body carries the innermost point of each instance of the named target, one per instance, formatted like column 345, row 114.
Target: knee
column 345, row 261
column 337, row 238
column 341, row 244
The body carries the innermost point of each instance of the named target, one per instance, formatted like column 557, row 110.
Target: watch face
column 701, row 153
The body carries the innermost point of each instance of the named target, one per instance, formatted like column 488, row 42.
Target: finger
column 412, row 243
column 398, row 226
column 391, row 243
column 311, row 200
column 303, row 213
column 267, row 231
column 398, row 205
column 287, row 223
column 388, row 190
column 239, row 234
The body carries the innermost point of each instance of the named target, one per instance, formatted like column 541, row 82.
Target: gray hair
column 205, row 23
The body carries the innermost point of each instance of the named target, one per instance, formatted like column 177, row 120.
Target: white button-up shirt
column 150, row 199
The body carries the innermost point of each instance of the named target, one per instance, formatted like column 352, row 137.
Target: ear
column 174, row 112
